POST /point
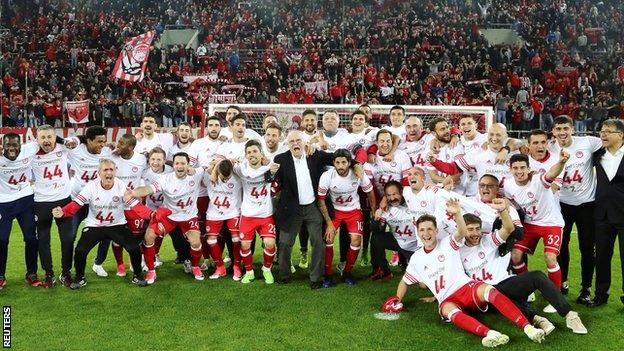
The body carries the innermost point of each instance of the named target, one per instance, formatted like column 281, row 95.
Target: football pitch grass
column 179, row 313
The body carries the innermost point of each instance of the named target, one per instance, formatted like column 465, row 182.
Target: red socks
column 215, row 251
column 268, row 255
column 352, row 255
column 118, row 252
column 196, row 255
column 149, row 253
column 506, row 308
column 554, row 274
column 205, row 246
column 158, row 242
column 236, row 248
column 247, row 259
column 467, row 323
column 520, row 268
column 329, row 259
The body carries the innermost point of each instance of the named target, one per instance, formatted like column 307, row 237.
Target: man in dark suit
column 298, row 177
column 609, row 210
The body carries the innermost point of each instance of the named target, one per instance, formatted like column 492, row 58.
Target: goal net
column 289, row 116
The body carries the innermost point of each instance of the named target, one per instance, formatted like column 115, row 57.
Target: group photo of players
column 456, row 211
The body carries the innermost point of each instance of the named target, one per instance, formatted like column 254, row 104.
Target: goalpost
column 289, row 116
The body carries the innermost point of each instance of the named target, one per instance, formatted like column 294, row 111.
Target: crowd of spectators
column 375, row 51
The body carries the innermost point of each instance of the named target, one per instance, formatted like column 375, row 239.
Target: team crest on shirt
column 530, row 195
column 481, row 255
column 393, row 164
column 354, row 184
column 361, row 141
column 423, row 204
column 477, row 213
column 441, row 258
column 25, row 161
column 192, row 183
column 135, row 169
column 230, row 185
column 59, row 154
column 579, row 154
column 115, row 198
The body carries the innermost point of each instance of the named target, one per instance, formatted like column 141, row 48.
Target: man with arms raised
column 438, row 266
column 482, row 262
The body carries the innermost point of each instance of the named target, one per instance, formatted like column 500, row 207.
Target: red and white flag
column 77, row 111
column 132, row 60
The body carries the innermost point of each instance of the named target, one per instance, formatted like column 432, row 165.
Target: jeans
column 500, row 116
column 580, row 125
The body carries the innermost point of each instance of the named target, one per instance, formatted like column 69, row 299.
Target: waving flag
column 132, row 60
column 77, row 111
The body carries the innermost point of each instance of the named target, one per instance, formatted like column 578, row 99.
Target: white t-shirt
column 175, row 148
column 225, row 198
column 257, row 200
column 249, row 134
column 471, row 181
column 180, row 195
column 382, row 172
column 420, row 203
column 440, row 269
column 162, row 140
column 130, row 171
column 544, row 165
column 201, row 153
column 483, row 263
column 579, row 178
column 484, row 162
column 403, row 226
column 232, row 151
column 15, row 175
column 343, row 190
column 51, row 174
column 398, row 131
column 106, row 207
column 155, row 200
column 365, row 139
column 85, row 166
column 540, row 205
column 448, row 154
column 341, row 140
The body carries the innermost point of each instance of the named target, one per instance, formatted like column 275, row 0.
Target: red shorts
column 202, row 207
column 532, row 235
column 214, row 227
column 352, row 219
column 165, row 226
column 465, row 298
column 249, row 226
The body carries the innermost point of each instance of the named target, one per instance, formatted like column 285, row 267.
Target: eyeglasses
column 488, row 186
column 608, row 132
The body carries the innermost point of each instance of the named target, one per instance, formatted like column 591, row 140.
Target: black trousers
column 120, row 234
column 583, row 216
column 519, row 287
column 382, row 241
column 44, row 218
column 606, row 233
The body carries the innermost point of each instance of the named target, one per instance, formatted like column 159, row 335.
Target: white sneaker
column 544, row 324
column 157, row 261
column 187, row 266
column 494, row 338
column 573, row 321
column 531, row 297
column 537, row 335
column 549, row 309
column 99, row 270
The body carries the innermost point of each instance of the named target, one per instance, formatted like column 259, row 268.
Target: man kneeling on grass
column 438, row 265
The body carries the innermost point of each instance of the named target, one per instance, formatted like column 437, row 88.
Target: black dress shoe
column 599, row 300
column 584, row 298
column 316, row 285
column 283, row 280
